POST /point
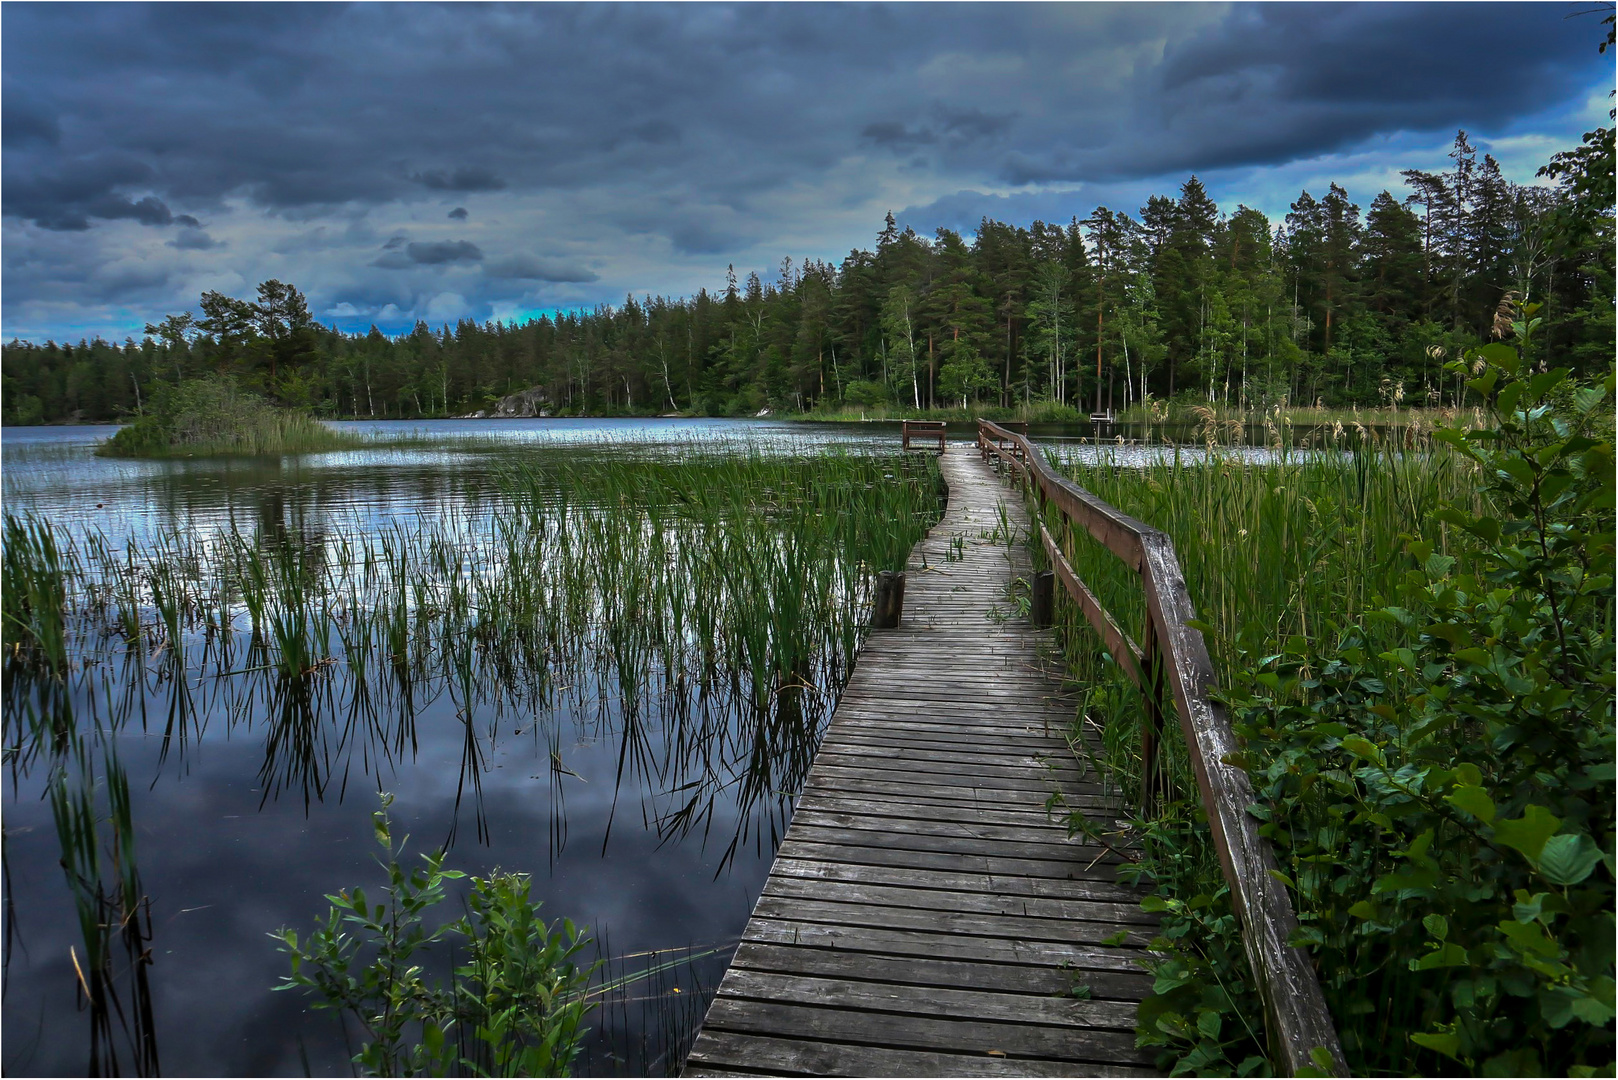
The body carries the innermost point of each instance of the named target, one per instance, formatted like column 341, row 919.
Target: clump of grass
column 215, row 417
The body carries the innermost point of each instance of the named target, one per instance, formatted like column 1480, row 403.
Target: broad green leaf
column 1472, row 799
column 1436, row 925
column 1515, row 468
column 1568, row 859
column 1362, row 748
column 1529, row 938
column 1446, row 1043
column 1509, row 394
column 1593, row 1012
column 1445, row 956
column 1540, row 385
column 1556, row 1006
column 1528, row 833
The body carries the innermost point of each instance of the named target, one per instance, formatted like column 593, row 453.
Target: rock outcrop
column 535, row 401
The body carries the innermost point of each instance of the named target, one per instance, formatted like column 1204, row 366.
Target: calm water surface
column 237, row 837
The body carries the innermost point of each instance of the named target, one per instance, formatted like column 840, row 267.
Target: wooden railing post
column 1153, row 780
column 1042, row 599
column 889, row 600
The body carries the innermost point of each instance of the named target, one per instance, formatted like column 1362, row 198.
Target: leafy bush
column 1443, row 809
column 867, row 393
column 512, row 1009
column 215, row 416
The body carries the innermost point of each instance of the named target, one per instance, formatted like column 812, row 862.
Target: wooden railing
column 1171, row 651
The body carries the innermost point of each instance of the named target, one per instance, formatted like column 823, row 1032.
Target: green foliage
column 1444, row 806
column 965, row 375
column 513, row 1008
column 1422, row 647
column 215, row 416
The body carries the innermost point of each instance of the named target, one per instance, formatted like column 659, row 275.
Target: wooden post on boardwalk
column 890, row 599
column 1042, row 598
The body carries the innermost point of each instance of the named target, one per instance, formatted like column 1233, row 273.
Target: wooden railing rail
column 1171, row 651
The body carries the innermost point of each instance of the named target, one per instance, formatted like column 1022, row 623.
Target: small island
column 217, row 417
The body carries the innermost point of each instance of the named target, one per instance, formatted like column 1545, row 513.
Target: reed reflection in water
column 638, row 655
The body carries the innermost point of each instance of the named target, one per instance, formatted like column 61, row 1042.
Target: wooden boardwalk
column 926, row 915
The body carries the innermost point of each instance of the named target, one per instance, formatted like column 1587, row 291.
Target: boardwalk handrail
column 1295, row 1009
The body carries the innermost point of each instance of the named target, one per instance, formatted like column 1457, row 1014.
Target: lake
column 644, row 805
column 248, row 806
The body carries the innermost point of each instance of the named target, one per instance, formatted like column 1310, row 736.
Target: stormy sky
column 440, row 162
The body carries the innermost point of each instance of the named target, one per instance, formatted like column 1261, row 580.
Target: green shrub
column 867, row 393
column 1428, row 721
column 215, row 416
column 1442, row 800
column 514, row 1008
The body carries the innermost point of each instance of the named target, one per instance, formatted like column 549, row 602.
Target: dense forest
column 1335, row 305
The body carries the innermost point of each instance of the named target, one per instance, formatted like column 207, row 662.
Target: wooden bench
column 923, row 431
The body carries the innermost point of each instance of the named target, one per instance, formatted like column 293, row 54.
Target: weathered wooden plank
column 921, row 839
column 1048, row 841
column 867, row 855
column 792, row 1057
column 900, row 787
column 926, row 971
column 843, row 802
column 950, row 1003
column 921, row 762
column 924, row 1032
column 1058, row 762
column 1007, row 927
column 942, row 946
column 984, row 744
column 960, row 736
column 1009, row 886
column 1008, row 789
column 933, row 899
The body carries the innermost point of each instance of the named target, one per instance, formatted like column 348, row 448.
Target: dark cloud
column 897, row 136
column 194, row 239
column 23, row 123
column 466, row 178
column 957, row 127
column 712, row 128
column 438, row 252
column 528, row 268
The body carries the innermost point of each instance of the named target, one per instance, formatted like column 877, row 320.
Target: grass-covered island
column 216, row 416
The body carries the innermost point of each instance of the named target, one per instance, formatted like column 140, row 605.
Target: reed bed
column 1291, row 543
column 702, row 612
column 1299, row 548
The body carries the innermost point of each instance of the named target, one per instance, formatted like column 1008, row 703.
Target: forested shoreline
column 1334, row 305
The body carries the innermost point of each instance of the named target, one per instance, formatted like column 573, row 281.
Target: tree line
column 1333, row 305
